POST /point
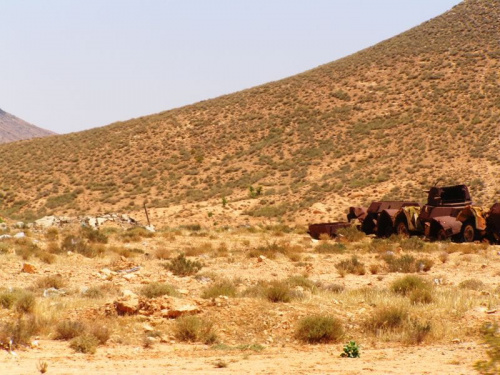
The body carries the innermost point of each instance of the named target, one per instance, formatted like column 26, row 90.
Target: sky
column 70, row 65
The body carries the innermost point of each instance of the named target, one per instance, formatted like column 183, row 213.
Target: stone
column 19, row 235
column 28, row 268
column 128, row 304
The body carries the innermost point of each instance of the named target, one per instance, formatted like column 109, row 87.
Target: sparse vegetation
column 319, row 329
column 181, row 266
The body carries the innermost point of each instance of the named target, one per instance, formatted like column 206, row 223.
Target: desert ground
column 238, row 299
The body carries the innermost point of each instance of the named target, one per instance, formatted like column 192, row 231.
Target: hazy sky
column 69, row 65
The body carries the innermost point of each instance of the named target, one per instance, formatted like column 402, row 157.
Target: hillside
column 13, row 129
column 386, row 122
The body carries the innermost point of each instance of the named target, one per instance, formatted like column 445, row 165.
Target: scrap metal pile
column 448, row 214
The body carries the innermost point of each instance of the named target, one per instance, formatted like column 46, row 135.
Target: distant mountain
column 13, row 129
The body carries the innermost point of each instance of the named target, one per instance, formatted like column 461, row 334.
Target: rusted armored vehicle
column 355, row 216
column 493, row 223
column 449, row 213
column 381, row 216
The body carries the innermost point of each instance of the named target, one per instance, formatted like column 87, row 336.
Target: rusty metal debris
column 448, row 214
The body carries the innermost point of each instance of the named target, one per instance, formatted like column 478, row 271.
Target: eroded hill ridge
column 384, row 123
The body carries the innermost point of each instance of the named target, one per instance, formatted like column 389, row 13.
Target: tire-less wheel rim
column 469, row 233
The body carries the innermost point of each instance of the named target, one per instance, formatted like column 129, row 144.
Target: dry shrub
column 51, row 281
column 270, row 250
column 18, row 334
column 94, row 235
column 408, row 284
column 407, row 263
column 330, row 248
column 154, row 290
column 68, row 329
column 374, row 268
column 135, row 234
column 352, row 265
column 417, row 331
column 163, row 253
column 387, row 318
column 221, row 288
column 319, row 329
column 350, row 234
column 25, row 303
column 126, row 252
column 443, row 257
column 52, row 234
column 101, row 332
column 181, row 266
column 86, row 343
column 199, row 250
column 194, row 329
column 472, row 284
column 412, row 244
column 324, row 237
column 47, row 257
column 278, row 291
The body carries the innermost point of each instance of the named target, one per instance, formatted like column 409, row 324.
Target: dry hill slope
column 385, row 122
column 13, row 129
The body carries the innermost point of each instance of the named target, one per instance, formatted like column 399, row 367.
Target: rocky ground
column 244, row 327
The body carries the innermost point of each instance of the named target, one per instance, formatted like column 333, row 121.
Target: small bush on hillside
column 319, row 329
column 221, row 288
column 405, row 263
column 330, row 248
column 94, row 235
column 352, row 265
column 408, row 284
column 472, row 284
column 181, row 266
column 193, row 329
column 100, row 332
column 154, row 290
column 412, row 244
column 278, row 292
column 51, row 281
column 136, row 234
column 25, row 303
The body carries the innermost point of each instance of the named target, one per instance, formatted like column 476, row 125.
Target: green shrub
column 181, row 266
column 154, row 290
column 193, row 329
column 221, row 288
column 351, row 350
column 319, row 329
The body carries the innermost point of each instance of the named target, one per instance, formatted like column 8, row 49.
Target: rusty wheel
column 402, row 229
column 468, row 232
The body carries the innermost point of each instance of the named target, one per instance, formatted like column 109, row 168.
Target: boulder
column 128, row 304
